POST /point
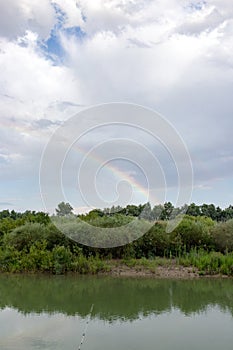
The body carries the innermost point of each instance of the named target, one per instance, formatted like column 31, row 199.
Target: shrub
column 62, row 259
column 192, row 232
column 23, row 237
column 222, row 235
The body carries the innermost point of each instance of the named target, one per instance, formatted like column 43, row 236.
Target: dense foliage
column 29, row 241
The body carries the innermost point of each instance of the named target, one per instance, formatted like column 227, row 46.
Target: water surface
column 51, row 313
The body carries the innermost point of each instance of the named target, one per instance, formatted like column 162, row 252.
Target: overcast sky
column 58, row 57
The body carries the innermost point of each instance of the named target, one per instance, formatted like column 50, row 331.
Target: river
column 42, row 312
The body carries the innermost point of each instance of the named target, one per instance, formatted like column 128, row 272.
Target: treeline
column 166, row 211
column 30, row 241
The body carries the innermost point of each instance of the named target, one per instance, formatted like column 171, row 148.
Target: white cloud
column 171, row 55
column 205, row 20
column 29, row 82
column 73, row 14
column 18, row 16
column 143, row 65
column 115, row 15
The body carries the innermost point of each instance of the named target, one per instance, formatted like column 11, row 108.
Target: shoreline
column 117, row 268
column 173, row 272
column 166, row 269
column 160, row 272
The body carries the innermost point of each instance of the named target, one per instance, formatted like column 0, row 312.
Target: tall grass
column 211, row 263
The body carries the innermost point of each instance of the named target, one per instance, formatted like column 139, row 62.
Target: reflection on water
column 50, row 313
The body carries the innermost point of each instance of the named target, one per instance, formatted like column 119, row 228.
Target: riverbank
column 190, row 266
column 197, row 247
column 122, row 270
column 61, row 260
column 170, row 270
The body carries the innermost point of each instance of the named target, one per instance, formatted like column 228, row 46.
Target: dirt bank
column 159, row 272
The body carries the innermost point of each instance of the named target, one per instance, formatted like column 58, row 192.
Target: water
column 51, row 313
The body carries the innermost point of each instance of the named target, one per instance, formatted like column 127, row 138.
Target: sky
column 58, row 58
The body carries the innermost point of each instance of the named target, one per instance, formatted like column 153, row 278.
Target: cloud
column 4, row 204
column 206, row 20
column 33, row 81
column 16, row 17
column 116, row 15
column 72, row 14
column 173, row 56
column 45, row 123
column 110, row 68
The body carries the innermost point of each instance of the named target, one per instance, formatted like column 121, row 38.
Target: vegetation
column 30, row 242
column 64, row 209
column 209, row 263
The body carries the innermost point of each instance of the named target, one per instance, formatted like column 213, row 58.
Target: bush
column 23, row 237
column 62, row 259
column 192, row 232
column 222, row 235
column 154, row 243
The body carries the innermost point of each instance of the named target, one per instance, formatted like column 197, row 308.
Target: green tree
column 64, row 209
column 223, row 236
column 227, row 213
column 192, row 232
column 219, row 214
column 193, row 210
column 208, row 210
column 156, row 212
column 132, row 210
column 146, row 212
column 167, row 211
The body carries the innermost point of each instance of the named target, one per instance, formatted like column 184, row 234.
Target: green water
column 51, row 313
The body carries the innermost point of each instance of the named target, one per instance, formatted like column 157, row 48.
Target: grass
column 211, row 263
column 206, row 263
